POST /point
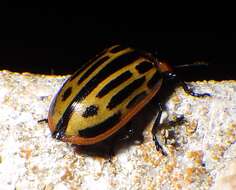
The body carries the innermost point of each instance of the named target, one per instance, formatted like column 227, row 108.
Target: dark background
column 51, row 40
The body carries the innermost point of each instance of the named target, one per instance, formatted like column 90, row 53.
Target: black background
column 52, row 40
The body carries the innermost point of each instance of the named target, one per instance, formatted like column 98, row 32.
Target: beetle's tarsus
column 158, row 146
column 179, row 120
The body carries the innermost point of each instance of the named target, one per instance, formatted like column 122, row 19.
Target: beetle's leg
column 179, row 119
column 190, row 91
column 187, row 89
column 154, row 131
column 169, row 124
column 157, row 126
column 43, row 120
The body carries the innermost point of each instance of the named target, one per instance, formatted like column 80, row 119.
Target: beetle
column 100, row 98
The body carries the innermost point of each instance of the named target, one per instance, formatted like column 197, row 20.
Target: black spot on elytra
column 90, row 111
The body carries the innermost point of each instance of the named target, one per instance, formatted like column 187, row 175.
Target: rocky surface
column 201, row 151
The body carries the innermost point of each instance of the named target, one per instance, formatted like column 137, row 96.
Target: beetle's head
column 162, row 66
column 166, row 70
column 165, row 67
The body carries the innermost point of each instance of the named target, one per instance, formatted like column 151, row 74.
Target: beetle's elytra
column 104, row 95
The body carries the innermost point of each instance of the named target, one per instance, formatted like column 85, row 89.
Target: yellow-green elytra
column 104, row 95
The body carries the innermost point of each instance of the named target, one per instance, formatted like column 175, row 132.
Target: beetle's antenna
column 195, row 64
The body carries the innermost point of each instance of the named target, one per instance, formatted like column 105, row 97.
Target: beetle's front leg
column 154, row 131
column 190, row 91
column 187, row 89
column 157, row 126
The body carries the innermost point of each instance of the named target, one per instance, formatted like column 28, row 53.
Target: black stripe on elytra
column 114, row 83
column 154, row 80
column 90, row 111
column 66, row 94
column 80, row 70
column 100, row 128
column 125, row 92
column 117, row 49
column 136, row 99
column 62, row 124
column 144, row 67
column 92, row 68
column 109, row 69
column 84, row 66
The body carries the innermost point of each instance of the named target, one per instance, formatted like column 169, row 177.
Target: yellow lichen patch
column 171, row 150
column 137, row 180
column 48, row 187
column 68, row 175
column 25, row 153
column 35, row 169
column 188, row 110
column 204, row 110
column 149, row 157
column 151, row 185
column 170, row 167
column 209, row 179
column 191, row 127
column 178, row 186
column 177, row 180
column 231, row 134
column 196, row 156
column 191, row 174
column 175, row 99
column 73, row 163
column 217, row 151
column 177, row 176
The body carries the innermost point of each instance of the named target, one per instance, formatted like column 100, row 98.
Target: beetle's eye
column 169, row 75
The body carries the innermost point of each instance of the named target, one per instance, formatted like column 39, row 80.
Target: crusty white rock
column 31, row 159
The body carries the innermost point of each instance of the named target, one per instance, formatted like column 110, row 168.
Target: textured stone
column 200, row 150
